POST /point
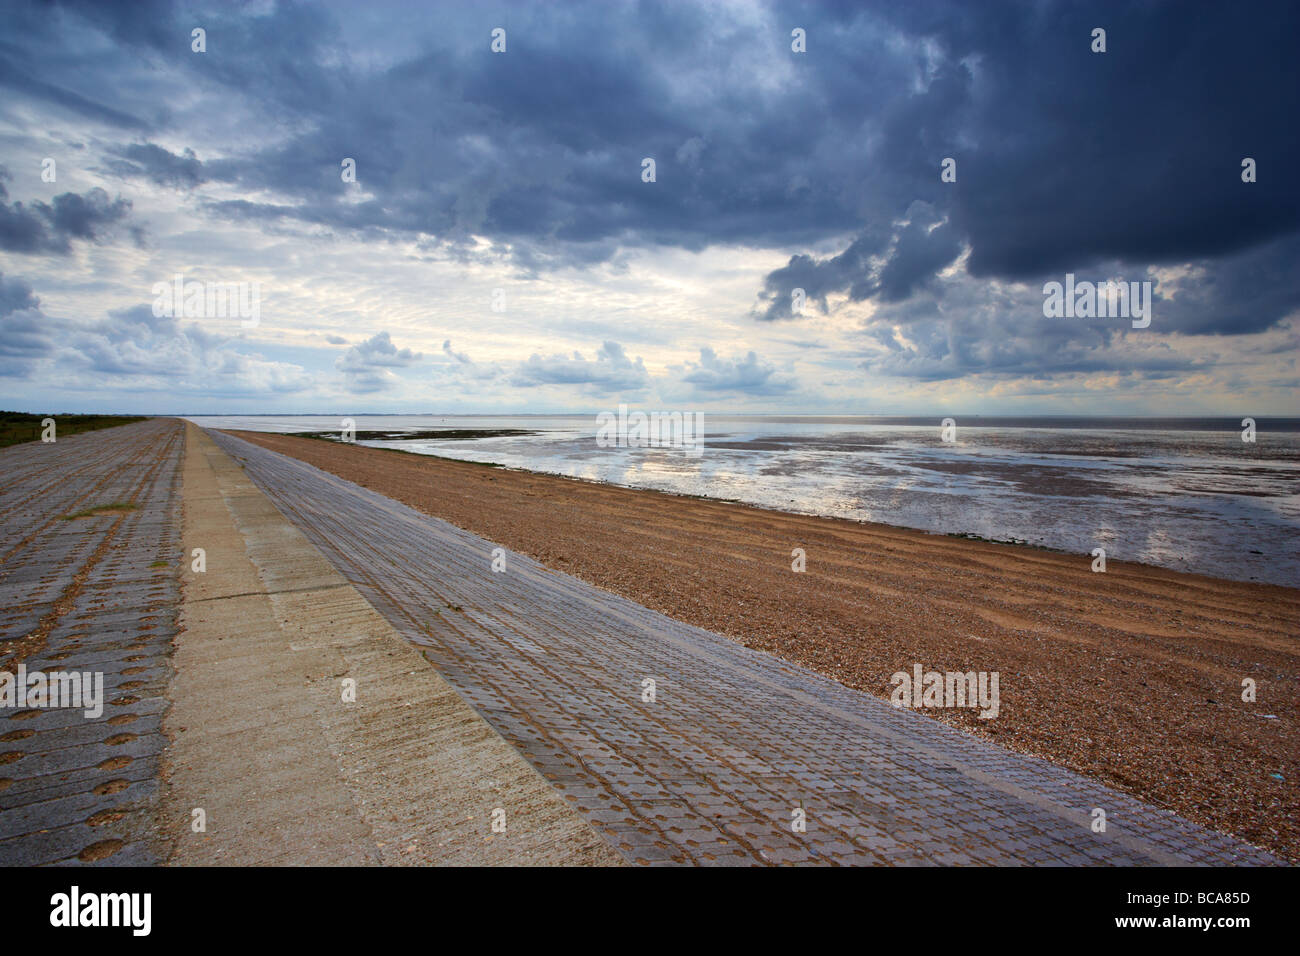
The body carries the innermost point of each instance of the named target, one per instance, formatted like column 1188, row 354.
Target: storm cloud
column 825, row 165
column 40, row 227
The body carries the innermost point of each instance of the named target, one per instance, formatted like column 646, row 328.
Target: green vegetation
column 19, row 427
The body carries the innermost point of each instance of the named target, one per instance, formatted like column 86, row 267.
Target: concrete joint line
column 284, row 769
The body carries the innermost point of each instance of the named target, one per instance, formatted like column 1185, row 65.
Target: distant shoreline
column 1225, row 423
column 1159, row 497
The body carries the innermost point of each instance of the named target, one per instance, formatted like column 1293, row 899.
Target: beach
column 1132, row 677
column 1184, row 494
column 650, row 435
column 306, row 652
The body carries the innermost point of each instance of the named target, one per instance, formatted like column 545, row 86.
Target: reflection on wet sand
column 1186, row 495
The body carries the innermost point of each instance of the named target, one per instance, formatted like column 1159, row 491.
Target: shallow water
column 1184, row 494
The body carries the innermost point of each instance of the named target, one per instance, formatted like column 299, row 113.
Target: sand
column 1133, row 677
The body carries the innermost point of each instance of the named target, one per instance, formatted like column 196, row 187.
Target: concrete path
column 280, row 767
column 88, row 590
column 735, row 745
column 261, row 741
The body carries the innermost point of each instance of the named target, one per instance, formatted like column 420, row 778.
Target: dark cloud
column 888, row 264
column 1236, row 294
column 922, row 248
column 964, row 326
column 22, row 78
column 24, row 330
column 539, row 147
column 1064, row 156
column 50, row 227
column 1067, row 158
column 16, row 296
column 1105, row 165
column 1134, row 154
column 160, row 166
column 819, row 278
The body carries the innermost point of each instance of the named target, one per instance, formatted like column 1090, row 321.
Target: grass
column 19, row 427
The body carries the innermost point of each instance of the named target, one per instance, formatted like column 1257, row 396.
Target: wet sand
column 1133, row 677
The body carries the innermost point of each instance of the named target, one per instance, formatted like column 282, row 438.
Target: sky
column 913, row 173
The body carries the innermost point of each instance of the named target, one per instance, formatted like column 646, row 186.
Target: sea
column 1187, row 494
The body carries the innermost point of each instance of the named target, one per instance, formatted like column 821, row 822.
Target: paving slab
column 94, row 594
column 735, row 741
column 286, row 769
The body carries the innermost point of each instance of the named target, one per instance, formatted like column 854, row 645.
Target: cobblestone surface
column 735, row 742
column 96, row 593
